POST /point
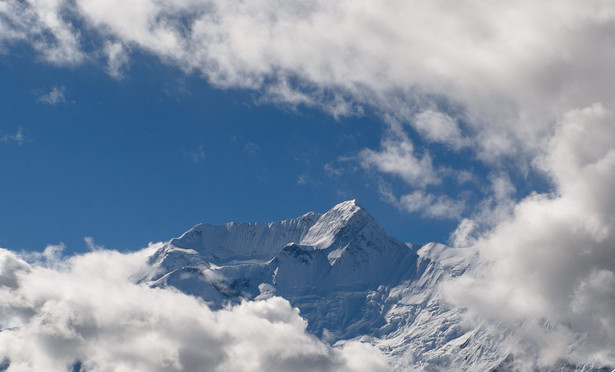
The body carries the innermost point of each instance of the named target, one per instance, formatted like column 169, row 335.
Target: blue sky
column 144, row 158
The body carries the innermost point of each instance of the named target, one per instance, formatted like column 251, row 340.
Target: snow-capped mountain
column 330, row 266
column 350, row 280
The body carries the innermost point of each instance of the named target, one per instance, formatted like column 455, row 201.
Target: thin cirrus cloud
column 531, row 82
column 87, row 311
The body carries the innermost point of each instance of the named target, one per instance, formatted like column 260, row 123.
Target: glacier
column 351, row 281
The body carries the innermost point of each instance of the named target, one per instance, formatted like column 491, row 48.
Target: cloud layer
column 86, row 310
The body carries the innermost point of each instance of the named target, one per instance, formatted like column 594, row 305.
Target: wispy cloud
column 342, row 165
column 440, row 207
column 117, row 59
column 54, row 97
column 198, row 155
column 398, row 157
column 91, row 244
column 251, row 148
column 302, row 179
column 426, row 204
column 18, row 137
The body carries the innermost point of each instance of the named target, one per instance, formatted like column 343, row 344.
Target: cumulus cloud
column 552, row 261
column 86, row 310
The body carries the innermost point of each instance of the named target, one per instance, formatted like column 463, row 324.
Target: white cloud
column 398, row 157
column 341, row 165
column 251, row 148
column 42, row 24
column 440, row 127
column 117, row 59
column 507, row 61
column 552, row 259
column 88, row 310
column 198, row 155
column 419, row 201
column 54, row 97
column 18, row 137
column 302, row 179
column 497, row 204
column 503, row 62
column 91, row 244
column 441, row 206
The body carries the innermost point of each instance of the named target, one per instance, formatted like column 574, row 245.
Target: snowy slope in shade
column 349, row 279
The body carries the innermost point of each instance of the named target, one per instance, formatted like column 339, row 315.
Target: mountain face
column 348, row 277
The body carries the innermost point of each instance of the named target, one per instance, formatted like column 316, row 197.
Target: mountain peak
column 348, row 215
column 346, row 210
column 348, row 205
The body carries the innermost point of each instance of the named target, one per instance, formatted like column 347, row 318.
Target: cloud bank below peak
column 85, row 310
